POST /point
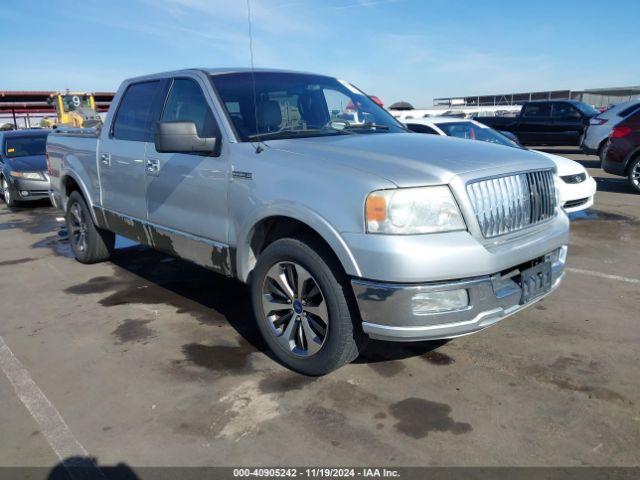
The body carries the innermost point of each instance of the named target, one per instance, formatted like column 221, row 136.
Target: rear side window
column 135, row 113
column 629, row 110
column 536, row 110
column 564, row 110
column 186, row 103
column 419, row 128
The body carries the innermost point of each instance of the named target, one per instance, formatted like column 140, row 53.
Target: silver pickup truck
column 345, row 225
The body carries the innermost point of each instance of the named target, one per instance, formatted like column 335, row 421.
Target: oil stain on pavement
column 133, row 331
column 418, row 417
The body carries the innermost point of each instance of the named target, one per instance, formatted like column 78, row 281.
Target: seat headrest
column 269, row 115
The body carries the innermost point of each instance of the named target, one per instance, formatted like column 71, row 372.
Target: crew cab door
column 187, row 192
column 534, row 124
column 122, row 153
column 567, row 124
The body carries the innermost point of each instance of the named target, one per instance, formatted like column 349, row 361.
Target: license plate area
column 535, row 281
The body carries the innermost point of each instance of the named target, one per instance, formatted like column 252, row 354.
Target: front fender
column 302, row 214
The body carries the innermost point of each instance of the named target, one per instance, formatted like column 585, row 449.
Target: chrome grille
column 514, row 202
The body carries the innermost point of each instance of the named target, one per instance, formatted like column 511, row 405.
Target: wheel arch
column 283, row 222
column 70, row 183
column 630, row 158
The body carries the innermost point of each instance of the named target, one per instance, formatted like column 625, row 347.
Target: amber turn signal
column 376, row 208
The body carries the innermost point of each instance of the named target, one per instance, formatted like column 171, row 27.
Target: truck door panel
column 122, row 151
column 534, row 124
column 566, row 124
column 188, row 192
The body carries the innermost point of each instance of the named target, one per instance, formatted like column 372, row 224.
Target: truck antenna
column 253, row 76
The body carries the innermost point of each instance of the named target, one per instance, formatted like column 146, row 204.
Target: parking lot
column 150, row 360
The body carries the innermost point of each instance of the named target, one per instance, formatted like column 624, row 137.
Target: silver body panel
column 321, row 182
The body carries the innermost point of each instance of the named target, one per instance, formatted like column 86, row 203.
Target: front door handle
column 105, row 159
column 152, row 167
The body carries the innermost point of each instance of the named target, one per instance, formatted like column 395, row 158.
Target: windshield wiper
column 366, row 125
column 295, row 133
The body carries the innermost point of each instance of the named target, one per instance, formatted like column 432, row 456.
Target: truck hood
column 30, row 163
column 413, row 159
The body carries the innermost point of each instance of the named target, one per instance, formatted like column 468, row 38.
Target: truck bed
column 78, row 149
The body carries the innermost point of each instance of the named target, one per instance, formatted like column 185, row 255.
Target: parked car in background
column 344, row 229
column 577, row 187
column 622, row 152
column 547, row 122
column 23, row 166
column 600, row 127
column 377, row 100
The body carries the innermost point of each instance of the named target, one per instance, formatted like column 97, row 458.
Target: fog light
column 437, row 302
column 24, row 193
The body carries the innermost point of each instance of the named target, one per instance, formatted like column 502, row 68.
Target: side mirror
column 182, row 137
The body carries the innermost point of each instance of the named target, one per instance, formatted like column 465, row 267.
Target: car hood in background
column 565, row 166
column 412, row 159
column 31, row 163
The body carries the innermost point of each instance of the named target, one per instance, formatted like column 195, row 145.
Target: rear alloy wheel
column 634, row 174
column 303, row 304
column 89, row 243
column 78, row 231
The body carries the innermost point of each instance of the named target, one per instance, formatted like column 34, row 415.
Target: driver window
column 186, row 103
column 564, row 110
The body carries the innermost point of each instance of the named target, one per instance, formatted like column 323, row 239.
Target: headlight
column 27, row 175
column 407, row 211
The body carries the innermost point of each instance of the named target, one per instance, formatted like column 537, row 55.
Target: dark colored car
column 23, row 166
column 622, row 153
column 546, row 122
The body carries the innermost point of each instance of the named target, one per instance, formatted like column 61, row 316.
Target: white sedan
column 577, row 188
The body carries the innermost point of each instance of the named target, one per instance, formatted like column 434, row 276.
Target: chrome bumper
column 387, row 314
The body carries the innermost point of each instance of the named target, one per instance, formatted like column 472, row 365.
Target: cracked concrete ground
column 153, row 361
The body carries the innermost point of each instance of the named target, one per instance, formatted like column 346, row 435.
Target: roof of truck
column 214, row 71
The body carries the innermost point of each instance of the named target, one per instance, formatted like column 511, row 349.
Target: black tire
column 601, row 151
column 8, row 193
column 98, row 243
column 343, row 339
column 634, row 173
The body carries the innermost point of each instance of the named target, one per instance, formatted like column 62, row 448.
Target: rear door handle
column 105, row 159
column 152, row 167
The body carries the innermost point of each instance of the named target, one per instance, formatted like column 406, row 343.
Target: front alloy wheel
column 295, row 308
column 6, row 192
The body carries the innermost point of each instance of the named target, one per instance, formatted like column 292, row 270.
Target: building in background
column 598, row 97
column 25, row 109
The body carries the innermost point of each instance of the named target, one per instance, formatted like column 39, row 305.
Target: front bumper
column 387, row 314
column 577, row 196
column 27, row 190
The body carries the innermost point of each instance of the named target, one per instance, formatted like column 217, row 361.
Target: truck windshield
column 25, row 146
column 292, row 105
column 472, row 131
column 587, row 110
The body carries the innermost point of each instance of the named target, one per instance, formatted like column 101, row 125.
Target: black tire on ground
column 343, row 339
column 8, row 193
column 601, row 151
column 98, row 243
column 634, row 173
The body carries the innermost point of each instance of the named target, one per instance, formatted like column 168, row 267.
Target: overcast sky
column 411, row 50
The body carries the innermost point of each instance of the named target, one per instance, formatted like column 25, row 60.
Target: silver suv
column 346, row 225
